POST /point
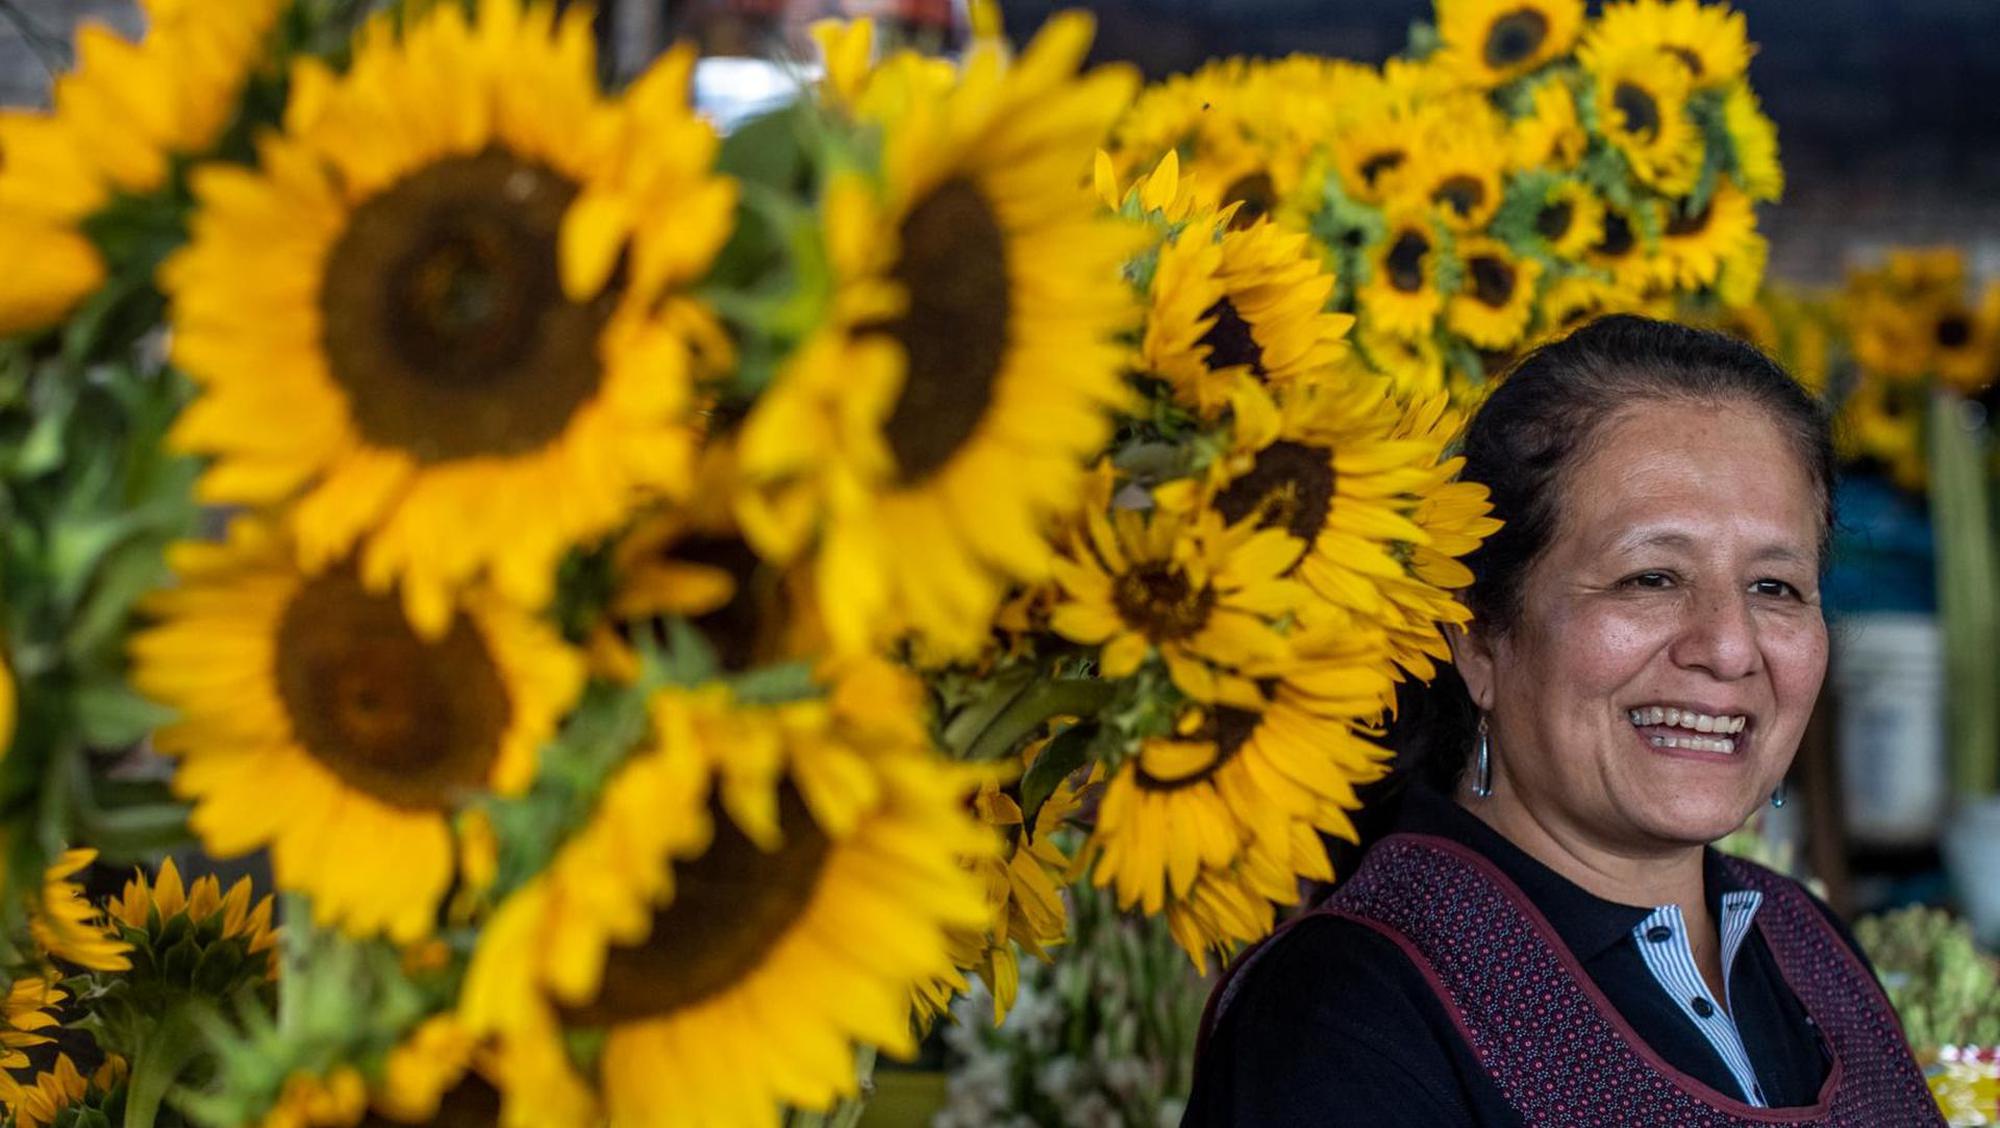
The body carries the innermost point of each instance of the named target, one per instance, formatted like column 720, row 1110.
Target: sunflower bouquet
column 1520, row 169
column 668, row 611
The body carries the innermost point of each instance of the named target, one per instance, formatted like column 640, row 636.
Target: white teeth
column 1687, row 719
column 1696, row 743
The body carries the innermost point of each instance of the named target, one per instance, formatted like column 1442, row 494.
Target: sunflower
column 933, row 455
column 1575, row 300
column 438, row 1075
column 1569, row 219
column 1550, row 135
column 1711, row 43
column 748, row 850
column 1236, row 307
column 52, row 1092
column 216, row 925
column 119, row 119
column 1372, row 151
column 1641, row 104
column 1966, row 341
column 1623, row 254
column 27, row 1010
column 1496, row 296
column 1208, row 598
column 1753, row 138
column 1489, row 42
column 1698, row 249
column 406, row 318
column 1881, row 421
column 1401, row 295
column 1458, row 167
column 329, row 727
column 1414, row 366
column 67, row 926
column 1197, row 800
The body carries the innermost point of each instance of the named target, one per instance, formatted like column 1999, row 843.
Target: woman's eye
column 1648, row 580
column 1774, row 587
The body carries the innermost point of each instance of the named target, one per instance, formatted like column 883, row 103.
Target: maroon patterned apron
column 1560, row 1054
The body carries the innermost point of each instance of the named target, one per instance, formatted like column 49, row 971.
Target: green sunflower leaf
column 1059, row 758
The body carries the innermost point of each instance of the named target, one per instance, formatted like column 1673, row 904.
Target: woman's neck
column 1648, row 878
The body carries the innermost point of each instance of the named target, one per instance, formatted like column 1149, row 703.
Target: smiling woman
column 1546, row 937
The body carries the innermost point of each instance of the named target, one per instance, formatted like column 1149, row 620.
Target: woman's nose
column 1719, row 636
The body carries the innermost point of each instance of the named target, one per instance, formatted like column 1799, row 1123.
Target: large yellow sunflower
column 750, row 850
column 1496, row 294
column 1641, row 103
column 1196, row 801
column 1401, row 295
column 1487, row 42
column 406, row 318
column 27, row 1009
column 1208, row 597
column 314, row 720
column 1709, row 41
column 1236, row 905
column 118, row 120
column 1699, row 249
column 1230, row 307
column 935, row 437
column 67, row 926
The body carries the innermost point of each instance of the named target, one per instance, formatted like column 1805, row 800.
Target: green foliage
column 1946, row 991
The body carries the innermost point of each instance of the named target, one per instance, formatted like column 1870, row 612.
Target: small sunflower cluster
column 1518, row 171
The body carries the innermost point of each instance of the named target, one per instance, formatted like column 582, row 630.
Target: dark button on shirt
column 1659, row 934
column 1334, row 1026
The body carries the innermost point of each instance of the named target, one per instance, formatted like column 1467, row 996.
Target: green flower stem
column 167, row 1049
column 1056, row 697
column 1968, row 581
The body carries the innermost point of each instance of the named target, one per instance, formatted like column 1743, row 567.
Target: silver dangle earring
column 1482, row 771
column 1778, row 796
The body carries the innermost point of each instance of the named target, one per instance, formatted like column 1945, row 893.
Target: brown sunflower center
column 1157, row 600
column 1515, row 37
column 1462, row 194
column 1554, row 220
column 1493, row 280
column 1618, row 239
column 953, row 266
column 446, row 324
column 409, row 722
column 731, row 907
column 1230, row 341
column 1405, row 261
column 1688, row 57
column 1375, row 166
column 1229, row 729
column 1289, row 486
column 1954, row 331
column 1682, row 223
column 1257, row 194
column 472, row 1103
column 1639, row 108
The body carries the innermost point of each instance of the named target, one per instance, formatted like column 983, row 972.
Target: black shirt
column 1332, row 1025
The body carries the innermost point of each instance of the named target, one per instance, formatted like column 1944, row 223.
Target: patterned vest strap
column 1562, row 1056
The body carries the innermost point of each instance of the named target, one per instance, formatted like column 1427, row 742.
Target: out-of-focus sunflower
column 1569, row 219
column 1196, row 801
column 1753, row 136
column 1488, row 42
column 1372, row 150
column 118, row 121
column 56, row 1090
column 1711, row 42
column 1209, row 598
column 1229, row 907
column 749, row 850
column 1624, row 251
column 1457, row 168
column 1186, row 112
column 1024, row 883
column 26, row 1011
column 1641, row 102
column 1242, row 306
column 330, row 727
column 1401, row 295
column 437, row 1075
column 67, row 926
column 1550, row 135
column 987, row 388
column 421, row 340
column 1966, row 341
column 1717, row 246
column 1574, row 300
column 1881, row 421
column 1496, row 294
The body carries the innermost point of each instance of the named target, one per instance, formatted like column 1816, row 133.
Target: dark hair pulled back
column 1544, row 419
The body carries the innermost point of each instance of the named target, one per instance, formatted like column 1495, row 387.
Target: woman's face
column 1681, row 592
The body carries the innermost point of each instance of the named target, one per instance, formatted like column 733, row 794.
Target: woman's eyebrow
column 1668, row 538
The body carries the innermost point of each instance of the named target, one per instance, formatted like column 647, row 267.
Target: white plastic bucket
column 1888, row 675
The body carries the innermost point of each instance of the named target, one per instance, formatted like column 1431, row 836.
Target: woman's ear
column 1472, row 653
